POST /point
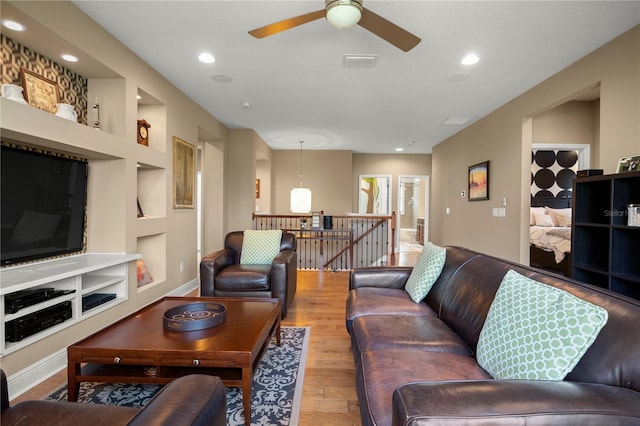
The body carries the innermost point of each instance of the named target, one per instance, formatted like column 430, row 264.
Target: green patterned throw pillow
column 260, row 247
column 534, row 331
column 426, row 271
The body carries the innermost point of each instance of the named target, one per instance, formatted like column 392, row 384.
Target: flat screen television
column 43, row 205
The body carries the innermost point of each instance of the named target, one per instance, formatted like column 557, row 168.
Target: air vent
column 359, row 61
column 458, row 121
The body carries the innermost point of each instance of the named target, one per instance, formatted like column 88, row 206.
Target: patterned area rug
column 276, row 390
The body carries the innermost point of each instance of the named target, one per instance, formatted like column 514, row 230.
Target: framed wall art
column 257, row 188
column 479, row 181
column 375, row 194
column 629, row 164
column 184, row 174
column 39, row 92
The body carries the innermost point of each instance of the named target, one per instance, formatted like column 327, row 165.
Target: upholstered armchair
column 231, row 273
column 194, row 400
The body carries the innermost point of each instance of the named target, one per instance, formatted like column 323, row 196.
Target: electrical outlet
column 181, row 266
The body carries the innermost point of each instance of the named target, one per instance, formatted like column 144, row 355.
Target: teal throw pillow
column 260, row 247
column 534, row 331
column 426, row 271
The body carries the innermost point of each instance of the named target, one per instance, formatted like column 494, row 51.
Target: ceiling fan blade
column 388, row 31
column 286, row 24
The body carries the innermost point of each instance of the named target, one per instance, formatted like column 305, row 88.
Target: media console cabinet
column 69, row 279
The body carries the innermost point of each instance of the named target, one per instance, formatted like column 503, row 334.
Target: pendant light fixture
column 300, row 197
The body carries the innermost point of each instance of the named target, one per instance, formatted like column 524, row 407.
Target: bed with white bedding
column 550, row 235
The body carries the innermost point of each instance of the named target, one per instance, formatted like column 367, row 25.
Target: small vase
column 67, row 111
column 13, row 92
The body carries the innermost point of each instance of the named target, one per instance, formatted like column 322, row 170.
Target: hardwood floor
column 329, row 396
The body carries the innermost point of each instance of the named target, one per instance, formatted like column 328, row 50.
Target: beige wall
column 326, row 173
column 498, row 138
column 394, row 165
column 574, row 122
column 332, row 176
column 263, row 172
column 117, row 227
column 240, row 178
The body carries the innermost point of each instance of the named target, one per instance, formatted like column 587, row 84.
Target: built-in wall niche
column 153, row 249
column 152, row 194
column 154, row 112
column 104, row 110
column 72, row 87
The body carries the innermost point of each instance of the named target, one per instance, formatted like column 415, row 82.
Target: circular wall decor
column 194, row 316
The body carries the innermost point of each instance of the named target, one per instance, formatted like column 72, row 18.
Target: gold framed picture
column 184, row 174
column 39, row 92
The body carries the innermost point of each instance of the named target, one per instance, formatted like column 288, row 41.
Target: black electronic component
column 15, row 301
column 25, row 326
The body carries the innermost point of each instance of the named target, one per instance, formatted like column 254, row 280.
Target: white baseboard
column 36, row 373
column 185, row 288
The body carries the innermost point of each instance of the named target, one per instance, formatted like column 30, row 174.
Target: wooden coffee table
column 131, row 349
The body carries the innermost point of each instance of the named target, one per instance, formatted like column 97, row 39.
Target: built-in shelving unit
column 603, row 243
column 115, row 160
column 78, row 276
column 151, row 188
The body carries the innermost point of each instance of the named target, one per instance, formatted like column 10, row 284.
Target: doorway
column 413, row 210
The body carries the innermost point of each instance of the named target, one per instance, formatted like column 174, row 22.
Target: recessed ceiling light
column 69, row 58
column 13, row 25
column 206, row 58
column 470, row 59
column 457, row 77
column 399, row 149
column 221, row 78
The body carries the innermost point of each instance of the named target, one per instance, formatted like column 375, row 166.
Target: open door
column 413, row 209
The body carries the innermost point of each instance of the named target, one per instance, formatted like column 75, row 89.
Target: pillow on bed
column 560, row 217
column 542, row 220
column 534, row 210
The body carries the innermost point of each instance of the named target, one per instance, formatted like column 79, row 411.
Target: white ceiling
column 298, row 89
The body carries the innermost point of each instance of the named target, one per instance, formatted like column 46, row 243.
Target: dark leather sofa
column 416, row 365
column 222, row 275
column 195, row 400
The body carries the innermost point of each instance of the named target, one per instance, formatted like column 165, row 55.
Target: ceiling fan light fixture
column 343, row 13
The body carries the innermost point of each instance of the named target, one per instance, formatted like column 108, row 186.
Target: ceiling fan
column 345, row 14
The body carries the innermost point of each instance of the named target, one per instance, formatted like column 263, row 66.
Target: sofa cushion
column 535, row 331
column 260, row 247
column 381, row 371
column 244, row 278
column 396, row 331
column 426, row 271
column 382, row 301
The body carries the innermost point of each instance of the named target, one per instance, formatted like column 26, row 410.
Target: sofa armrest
column 192, row 400
column 380, row 276
column 514, row 401
column 284, row 278
column 4, row 390
column 210, row 266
